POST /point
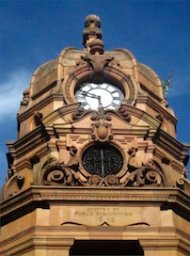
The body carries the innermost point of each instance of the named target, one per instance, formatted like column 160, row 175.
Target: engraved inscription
column 103, row 214
column 115, row 216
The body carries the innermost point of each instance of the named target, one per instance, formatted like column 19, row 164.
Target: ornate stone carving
column 96, row 46
column 73, row 162
column 123, row 113
column 101, row 127
column 183, row 184
column 102, row 131
column 91, row 30
column 111, row 180
column 18, row 183
column 56, row 173
column 97, row 62
column 138, row 178
column 149, row 174
column 26, row 98
column 74, row 172
column 79, row 113
column 59, row 175
column 99, row 68
column 38, row 118
column 101, row 114
column 95, row 180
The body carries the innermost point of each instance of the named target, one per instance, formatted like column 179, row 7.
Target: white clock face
column 95, row 96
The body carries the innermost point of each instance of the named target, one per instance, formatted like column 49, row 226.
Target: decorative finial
column 96, row 46
column 92, row 29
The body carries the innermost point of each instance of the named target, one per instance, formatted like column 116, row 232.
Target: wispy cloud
column 11, row 91
column 11, row 94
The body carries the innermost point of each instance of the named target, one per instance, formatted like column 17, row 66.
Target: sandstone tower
column 96, row 168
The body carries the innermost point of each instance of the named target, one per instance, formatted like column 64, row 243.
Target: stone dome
column 49, row 73
column 55, row 82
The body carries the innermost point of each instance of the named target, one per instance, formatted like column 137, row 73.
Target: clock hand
column 91, row 95
column 94, row 96
column 100, row 105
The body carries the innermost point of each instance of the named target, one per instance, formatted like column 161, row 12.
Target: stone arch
column 111, row 74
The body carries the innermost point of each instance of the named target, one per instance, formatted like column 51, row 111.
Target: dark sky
column 34, row 31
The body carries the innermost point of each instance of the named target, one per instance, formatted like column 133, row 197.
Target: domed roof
column 49, row 76
column 149, row 73
column 50, row 72
column 43, row 76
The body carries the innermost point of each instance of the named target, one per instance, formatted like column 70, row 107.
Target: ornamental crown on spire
column 92, row 25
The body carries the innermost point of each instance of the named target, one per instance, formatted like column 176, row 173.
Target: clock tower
column 96, row 168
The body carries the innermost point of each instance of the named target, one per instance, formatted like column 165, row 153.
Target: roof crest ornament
column 92, row 31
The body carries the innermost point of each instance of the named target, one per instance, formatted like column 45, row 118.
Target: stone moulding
column 66, row 175
column 32, row 238
column 164, row 111
column 131, row 196
column 29, row 112
column 171, row 145
column 110, row 72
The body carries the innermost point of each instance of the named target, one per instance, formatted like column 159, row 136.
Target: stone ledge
column 43, row 195
column 57, row 237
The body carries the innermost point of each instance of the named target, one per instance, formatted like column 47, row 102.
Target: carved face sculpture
column 95, row 96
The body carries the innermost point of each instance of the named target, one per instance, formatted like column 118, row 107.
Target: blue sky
column 35, row 31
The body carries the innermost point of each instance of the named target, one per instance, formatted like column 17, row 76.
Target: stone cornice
column 37, row 196
column 149, row 91
column 171, row 145
column 37, row 137
column 150, row 120
column 51, row 85
column 39, row 105
column 28, row 142
column 157, row 107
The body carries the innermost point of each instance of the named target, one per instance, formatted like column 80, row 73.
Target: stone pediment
column 126, row 117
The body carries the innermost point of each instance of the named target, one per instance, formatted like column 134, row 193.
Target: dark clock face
column 95, row 96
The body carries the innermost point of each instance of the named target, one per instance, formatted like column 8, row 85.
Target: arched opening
column 106, row 247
